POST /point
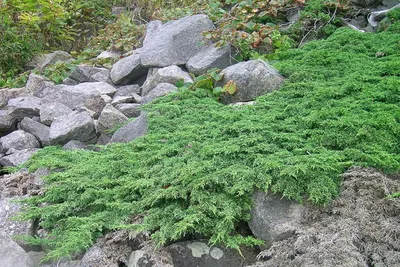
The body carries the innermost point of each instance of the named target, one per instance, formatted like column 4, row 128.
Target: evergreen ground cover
column 194, row 173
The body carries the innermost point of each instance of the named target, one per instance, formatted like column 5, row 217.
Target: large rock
column 175, row 42
column 210, row 58
column 132, row 130
column 109, row 119
column 42, row 61
column 17, row 157
column 7, row 122
column 11, row 254
column 22, row 107
column 87, row 95
column 274, row 218
column 51, row 111
column 82, row 73
column 40, row 131
column 130, row 110
column 74, row 144
column 171, row 74
column 36, row 83
column 9, row 93
column 161, row 89
column 78, row 127
column 128, row 70
column 253, row 78
column 18, row 140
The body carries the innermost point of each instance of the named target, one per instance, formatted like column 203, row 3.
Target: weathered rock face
column 253, row 78
column 211, row 57
column 7, row 122
column 11, row 254
column 161, row 89
column 17, row 157
column 36, row 83
column 110, row 118
column 40, row 131
column 175, row 42
column 171, row 74
column 129, row 110
column 73, row 127
column 128, row 69
column 22, row 107
column 51, row 111
column 42, row 61
column 74, row 144
column 132, row 130
column 274, row 218
column 18, row 140
column 9, row 93
column 84, row 73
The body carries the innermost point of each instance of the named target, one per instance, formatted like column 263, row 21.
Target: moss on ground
column 195, row 171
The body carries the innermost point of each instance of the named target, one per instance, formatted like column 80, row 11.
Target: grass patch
column 195, row 171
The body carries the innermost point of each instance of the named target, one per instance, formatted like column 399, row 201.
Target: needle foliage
column 195, row 172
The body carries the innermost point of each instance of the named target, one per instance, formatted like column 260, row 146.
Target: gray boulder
column 18, row 140
column 36, row 83
column 22, row 107
column 211, row 57
column 107, row 54
column 42, row 61
column 171, row 74
column 274, row 218
column 40, row 131
column 51, row 111
column 129, row 110
column 132, row 130
column 17, row 157
column 101, row 76
column 74, row 144
column 82, row 95
column 175, row 42
column 83, row 72
column 128, row 90
column 128, row 70
column 9, row 93
column 69, row 81
column 109, row 119
column 127, row 94
column 161, row 89
column 11, row 254
column 253, row 78
column 7, row 122
column 73, row 127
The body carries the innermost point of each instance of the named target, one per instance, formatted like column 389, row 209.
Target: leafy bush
column 195, row 172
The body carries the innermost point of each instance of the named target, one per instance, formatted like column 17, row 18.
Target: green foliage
column 195, row 172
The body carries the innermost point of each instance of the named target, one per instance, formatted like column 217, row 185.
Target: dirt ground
column 359, row 229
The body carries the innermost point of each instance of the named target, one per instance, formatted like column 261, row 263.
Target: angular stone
column 36, row 83
column 103, row 140
column 101, row 76
column 128, row 70
column 107, row 54
column 51, row 111
column 74, row 144
column 73, row 127
column 128, row 90
column 22, row 107
column 161, row 89
column 69, row 81
column 124, row 99
column 9, row 93
column 82, row 73
column 253, row 78
column 11, row 254
column 274, row 218
column 40, row 131
column 8, row 209
column 18, row 157
column 109, row 119
column 129, row 110
column 132, row 130
column 210, row 58
column 42, row 61
column 171, row 74
column 175, row 42
column 18, row 140
column 7, row 122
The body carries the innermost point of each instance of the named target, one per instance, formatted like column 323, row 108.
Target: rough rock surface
column 42, row 61
column 74, row 144
column 73, row 127
column 36, row 83
column 11, row 254
column 274, row 218
column 51, row 111
column 132, row 130
column 211, row 57
column 253, row 78
column 129, row 110
column 109, row 119
column 18, row 140
column 161, row 89
column 175, row 42
column 40, row 131
column 128, row 70
column 83, row 73
column 360, row 228
column 18, row 157
column 7, row 122
column 22, row 107
column 9, row 93
column 171, row 74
